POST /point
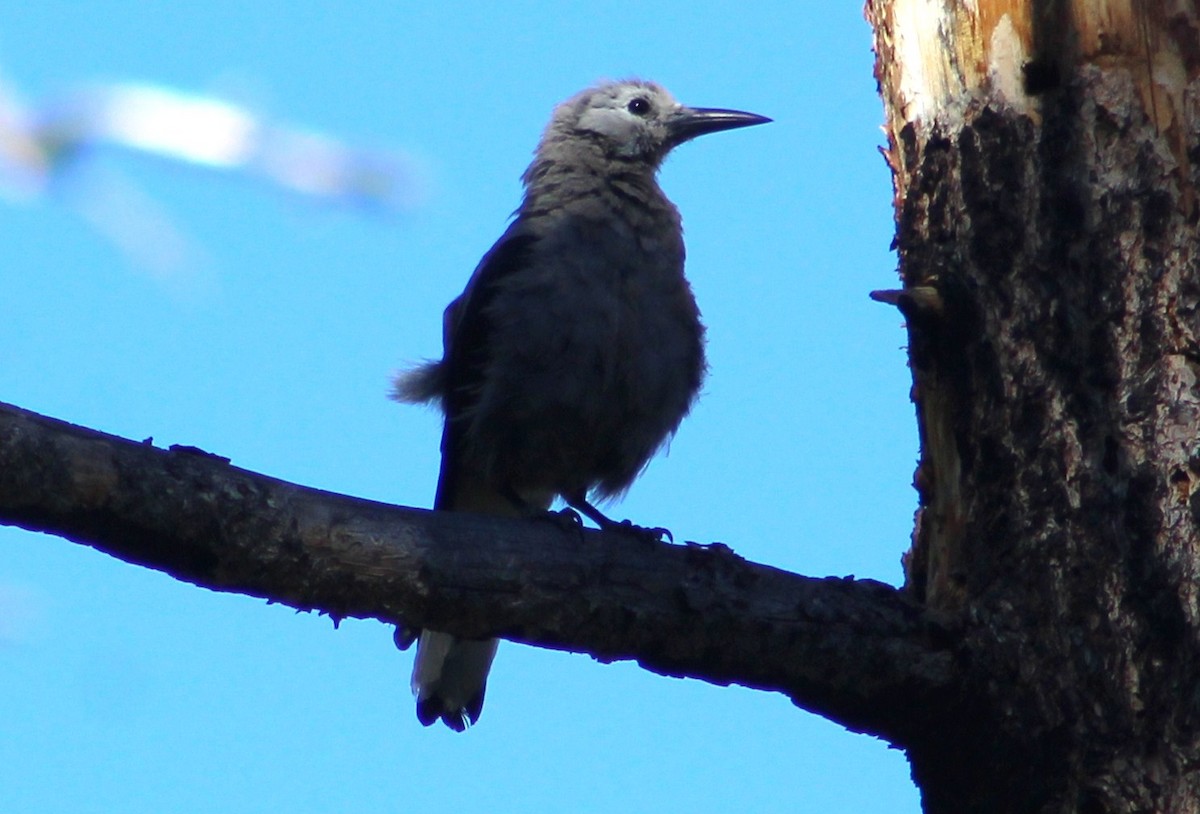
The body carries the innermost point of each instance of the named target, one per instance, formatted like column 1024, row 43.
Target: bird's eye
column 638, row 106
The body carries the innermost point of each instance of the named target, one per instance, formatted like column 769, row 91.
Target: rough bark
column 856, row 651
column 1044, row 157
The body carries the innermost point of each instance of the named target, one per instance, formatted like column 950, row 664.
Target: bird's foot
column 651, row 534
column 566, row 519
column 654, row 534
column 405, row 636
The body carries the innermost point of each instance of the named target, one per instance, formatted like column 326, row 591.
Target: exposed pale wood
column 1044, row 167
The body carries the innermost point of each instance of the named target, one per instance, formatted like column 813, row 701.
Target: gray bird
column 576, row 348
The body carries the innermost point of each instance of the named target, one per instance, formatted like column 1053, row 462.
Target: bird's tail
column 450, row 674
column 450, row 677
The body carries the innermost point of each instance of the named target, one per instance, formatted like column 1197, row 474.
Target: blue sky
column 127, row 691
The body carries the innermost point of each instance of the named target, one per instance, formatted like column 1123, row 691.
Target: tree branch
column 855, row 651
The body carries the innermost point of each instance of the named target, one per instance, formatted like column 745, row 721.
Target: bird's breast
column 598, row 355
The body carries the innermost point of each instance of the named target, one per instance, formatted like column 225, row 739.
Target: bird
column 576, row 348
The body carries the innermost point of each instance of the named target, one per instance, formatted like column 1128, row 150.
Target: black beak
column 689, row 122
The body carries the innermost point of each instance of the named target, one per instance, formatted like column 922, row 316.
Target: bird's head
column 638, row 120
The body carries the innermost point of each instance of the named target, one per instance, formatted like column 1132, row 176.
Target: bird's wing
column 466, row 335
column 450, row 674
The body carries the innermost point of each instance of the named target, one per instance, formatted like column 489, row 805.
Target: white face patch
column 613, row 122
column 633, row 117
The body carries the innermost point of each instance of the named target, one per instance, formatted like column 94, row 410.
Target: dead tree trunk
column 1045, row 164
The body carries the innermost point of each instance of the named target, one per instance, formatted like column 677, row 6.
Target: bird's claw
column 565, row 518
column 651, row 534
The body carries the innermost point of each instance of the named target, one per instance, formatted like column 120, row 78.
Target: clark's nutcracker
column 576, row 348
